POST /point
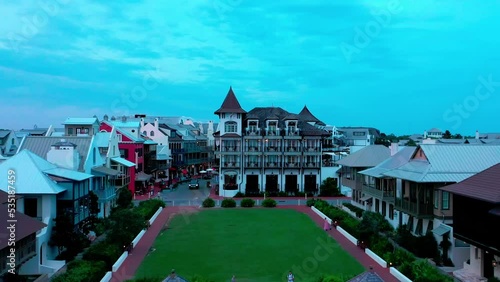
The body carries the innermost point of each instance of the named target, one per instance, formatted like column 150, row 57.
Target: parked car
column 194, row 184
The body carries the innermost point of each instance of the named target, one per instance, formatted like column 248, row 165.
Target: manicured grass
column 253, row 244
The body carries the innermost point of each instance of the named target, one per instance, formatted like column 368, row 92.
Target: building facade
column 267, row 150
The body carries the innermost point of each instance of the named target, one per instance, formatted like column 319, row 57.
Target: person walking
column 326, row 225
column 233, row 279
column 290, row 277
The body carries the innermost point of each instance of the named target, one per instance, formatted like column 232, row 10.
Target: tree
column 62, row 232
column 457, row 136
column 329, row 188
column 447, row 135
column 125, row 224
column 411, row 143
column 124, row 200
column 94, row 211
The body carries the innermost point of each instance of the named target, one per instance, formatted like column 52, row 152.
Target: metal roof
column 101, row 139
column 80, row 121
column 368, row 156
column 483, row 186
column 123, row 161
column 441, row 229
column 447, row 162
column 399, row 159
column 68, row 174
column 41, row 145
column 30, row 177
column 105, row 170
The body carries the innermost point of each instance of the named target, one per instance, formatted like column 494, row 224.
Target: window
column 119, row 136
column 436, row 199
column 124, row 153
column 238, row 116
column 152, row 133
column 223, row 115
column 230, row 126
column 139, row 167
column 358, row 133
column 70, row 131
column 12, row 141
column 82, row 131
column 445, row 201
column 391, row 211
column 144, row 133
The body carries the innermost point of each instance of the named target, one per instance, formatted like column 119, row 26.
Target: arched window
column 231, row 126
column 152, row 133
column 145, row 133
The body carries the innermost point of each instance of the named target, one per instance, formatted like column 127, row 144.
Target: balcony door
column 291, row 183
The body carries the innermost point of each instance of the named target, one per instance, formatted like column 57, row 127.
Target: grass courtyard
column 253, row 244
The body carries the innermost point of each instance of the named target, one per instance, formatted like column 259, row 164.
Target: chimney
column 477, row 134
column 394, row 148
column 156, row 122
column 64, row 154
column 106, row 117
column 124, row 118
column 142, row 123
column 425, row 134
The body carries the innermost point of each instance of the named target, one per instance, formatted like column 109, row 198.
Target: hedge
column 269, row 203
column 247, row 203
column 208, row 203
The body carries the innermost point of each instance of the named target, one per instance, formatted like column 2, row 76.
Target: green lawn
column 254, row 244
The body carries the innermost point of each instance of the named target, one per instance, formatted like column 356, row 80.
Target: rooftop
column 368, row 156
column 230, row 104
column 81, row 121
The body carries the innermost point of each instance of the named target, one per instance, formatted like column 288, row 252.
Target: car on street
column 194, row 184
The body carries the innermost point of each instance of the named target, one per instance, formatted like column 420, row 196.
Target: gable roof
column 399, row 159
column 447, row 162
column 4, row 133
column 119, row 130
column 230, row 104
column 368, row 156
column 30, row 174
column 25, row 225
column 482, row 186
column 81, row 121
column 41, row 145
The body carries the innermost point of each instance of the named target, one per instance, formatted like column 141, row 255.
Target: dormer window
column 231, row 127
column 272, row 127
column 253, row 127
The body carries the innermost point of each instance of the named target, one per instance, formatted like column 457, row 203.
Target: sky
column 401, row 66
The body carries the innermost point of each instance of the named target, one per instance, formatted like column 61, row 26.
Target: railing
column 292, row 149
column 414, row 208
column 292, row 164
column 252, row 131
column 378, row 193
column 253, row 149
column 105, row 193
column 311, row 164
column 311, row 149
column 178, row 151
column 272, row 149
column 292, row 132
column 272, row 132
column 230, row 148
column 253, row 164
column 272, row 164
column 231, row 164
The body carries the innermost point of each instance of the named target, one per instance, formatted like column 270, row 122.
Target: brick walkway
column 133, row 261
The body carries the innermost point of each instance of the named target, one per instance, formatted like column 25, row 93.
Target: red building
column 130, row 143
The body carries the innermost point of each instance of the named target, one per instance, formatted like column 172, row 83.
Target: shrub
column 146, row 279
column 148, row 208
column 239, row 195
column 269, row 203
column 353, row 208
column 105, row 251
column 310, row 202
column 208, row 203
column 228, row 203
column 82, row 271
column 247, row 203
column 380, row 245
column 399, row 257
column 423, row 271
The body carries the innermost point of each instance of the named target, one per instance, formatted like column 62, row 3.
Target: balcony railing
column 178, row 151
column 273, row 132
column 231, row 164
column 292, row 164
column 231, row 148
column 273, row 164
column 253, row 164
column 253, row 149
column 292, row 149
column 311, row 149
column 105, row 194
column 272, row 149
column 377, row 193
column 252, row 131
column 414, row 208
column 311, row 164
column 292, row 132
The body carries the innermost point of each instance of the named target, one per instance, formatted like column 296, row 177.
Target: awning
column 123, row 161
column 105, row 170
column 366, row 198
column 141, row 176
column 441, row 230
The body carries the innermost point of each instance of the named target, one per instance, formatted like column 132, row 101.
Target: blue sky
column 401, row 66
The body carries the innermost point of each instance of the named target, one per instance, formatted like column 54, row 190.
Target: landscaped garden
column 253, row 244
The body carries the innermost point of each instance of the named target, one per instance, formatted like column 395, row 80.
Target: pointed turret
column 230, row 104
column 307, row 116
